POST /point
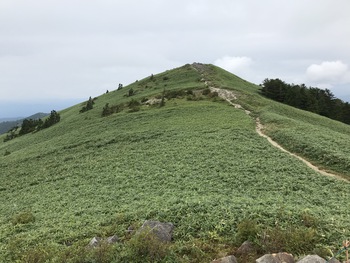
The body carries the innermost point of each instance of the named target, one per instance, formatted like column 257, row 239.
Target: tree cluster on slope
column 30, row 125
column 316, row 100
column 89, row 105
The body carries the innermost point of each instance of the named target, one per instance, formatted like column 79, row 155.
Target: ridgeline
column 172, row 148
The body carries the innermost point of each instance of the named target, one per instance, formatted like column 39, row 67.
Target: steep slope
column 197, row 162
column 5, row 126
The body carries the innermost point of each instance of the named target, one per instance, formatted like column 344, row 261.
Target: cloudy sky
column 56, row 53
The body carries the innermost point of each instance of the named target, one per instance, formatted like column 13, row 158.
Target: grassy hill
column 6, row 125
column 196, row 162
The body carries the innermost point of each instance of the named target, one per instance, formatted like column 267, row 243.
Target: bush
column 247, row 230
column 51, row 120
column 143, row 100
column 146, row 246
column 38, row 254
column 206, row 92
column 23, row 218
column 296, row 240
column 213, row 94
column 172, row 94
column 131, row 92
column 134, row 105
column 89, row 105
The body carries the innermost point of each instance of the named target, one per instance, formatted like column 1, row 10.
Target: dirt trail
column 229, row 96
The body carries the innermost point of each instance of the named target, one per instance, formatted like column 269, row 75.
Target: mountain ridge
column 196, row 161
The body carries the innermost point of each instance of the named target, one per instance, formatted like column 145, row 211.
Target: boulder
column 228, row 259
column 112, row 239
column 163, row 231
column 95, row 241
column 312, row 259
column 276, row 258
column 246, row 248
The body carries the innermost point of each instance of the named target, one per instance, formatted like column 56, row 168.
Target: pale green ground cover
column 323, row 141
column 198, row 164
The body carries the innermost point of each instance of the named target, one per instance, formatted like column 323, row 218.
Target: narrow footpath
column 229, row 96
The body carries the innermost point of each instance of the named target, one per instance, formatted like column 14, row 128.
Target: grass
column 198, row 164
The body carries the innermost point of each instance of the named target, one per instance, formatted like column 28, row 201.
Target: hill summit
column 181, row 146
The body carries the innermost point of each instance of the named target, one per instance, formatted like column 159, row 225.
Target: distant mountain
column 7, row 123
column 10, row 119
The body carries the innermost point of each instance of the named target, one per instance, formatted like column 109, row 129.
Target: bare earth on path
column 229, row 95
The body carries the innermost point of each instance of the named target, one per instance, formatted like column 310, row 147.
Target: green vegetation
column 312, row 99
column 89, row 105
column 33, row 125
column 196, row 162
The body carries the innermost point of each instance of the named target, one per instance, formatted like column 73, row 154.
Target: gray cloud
column 74, row 49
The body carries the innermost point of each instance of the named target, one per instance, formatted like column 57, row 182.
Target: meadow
column 198, row 164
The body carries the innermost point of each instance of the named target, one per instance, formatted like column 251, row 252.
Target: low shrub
column 296, row 240
column 247, row 230
column 145, row 246
column 23, row 218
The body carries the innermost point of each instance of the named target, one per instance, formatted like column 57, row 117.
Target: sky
column 56, row 53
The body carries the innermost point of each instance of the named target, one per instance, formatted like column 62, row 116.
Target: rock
column 268, row 258
column 246, row 248
column 112, row 239
column 312, row 259
column 285, row 257
column 228, row 259
column 333, row 260
column 130, row 230
column 163, row 231
column 276, row 258
column 95, row 241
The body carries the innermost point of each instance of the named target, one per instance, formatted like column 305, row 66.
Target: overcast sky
column 56, row 53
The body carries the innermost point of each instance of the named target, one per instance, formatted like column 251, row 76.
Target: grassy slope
column 198, row 164
column 321, row 140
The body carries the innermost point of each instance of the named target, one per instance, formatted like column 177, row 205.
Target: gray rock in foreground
column 312, row 259
column 276, row 258
column 246, row 248
column 163, row 231
column 228, row 259
column 97, row 241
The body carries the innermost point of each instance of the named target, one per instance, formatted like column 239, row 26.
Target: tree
column 274, row 89
column 51, row 120
column 106, row 110
column 316, row 100
column 28, row 125
column 89, row 105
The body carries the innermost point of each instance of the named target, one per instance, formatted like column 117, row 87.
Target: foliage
column 32, row 125
column 200, row 165
column 311, row 99
column 145, row 246
column 23, row 218
column 51, row 120
column 11, row 134
column 131, row 92
column 89, row 105
column 247, row 230
column 29, row 126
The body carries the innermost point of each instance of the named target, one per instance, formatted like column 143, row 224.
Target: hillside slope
column 5, row 126
column 196, row 162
